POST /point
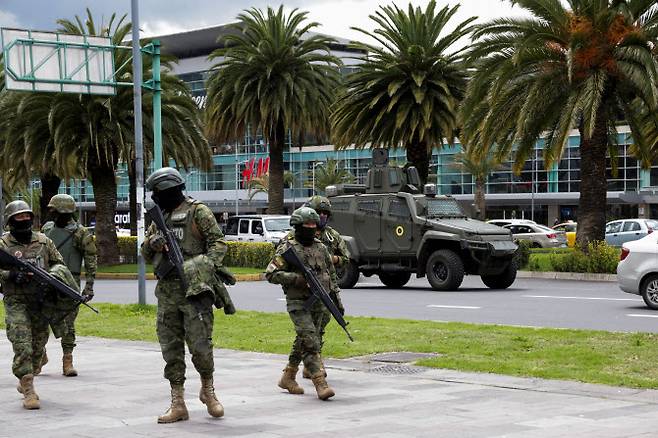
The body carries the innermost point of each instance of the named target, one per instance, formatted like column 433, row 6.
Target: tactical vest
column 181, row 223
column 315, row 258
column 63, row 238
column 36, row 252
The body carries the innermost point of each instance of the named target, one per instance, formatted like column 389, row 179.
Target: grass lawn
column 132, row 269
column 622, row 359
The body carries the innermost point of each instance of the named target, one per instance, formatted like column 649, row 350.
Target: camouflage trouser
column 308, row 341
column 68, row 339
column 177, row 324
column 28, row 333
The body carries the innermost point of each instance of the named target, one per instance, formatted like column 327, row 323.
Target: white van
column 257, row 228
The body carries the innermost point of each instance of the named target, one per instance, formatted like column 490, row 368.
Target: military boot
column 288, row 381
column 177, row 411
column 30, row 398
column 208, row 398
column 324, row 391
column 67, row 365
column 44, row 361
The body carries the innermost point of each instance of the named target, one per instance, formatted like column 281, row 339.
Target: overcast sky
column 159, row 17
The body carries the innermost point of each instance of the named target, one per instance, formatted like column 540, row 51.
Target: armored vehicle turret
column 393, row 230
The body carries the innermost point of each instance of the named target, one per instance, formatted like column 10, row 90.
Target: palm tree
column 584, row 66
column 261, row 184
column 98, row 131
column 276, row 77
column 408, row 87
column 329, row 173
column 470, row 160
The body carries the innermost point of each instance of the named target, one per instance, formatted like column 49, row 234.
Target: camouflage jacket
column 41, row 251
column 332, row 240
column 197, row 232
column 315, row 256
column 80, row 247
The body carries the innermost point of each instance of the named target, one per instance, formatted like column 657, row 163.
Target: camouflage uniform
column 27, row 327
column 177, row 323
column 75, row 243
column 308, row 341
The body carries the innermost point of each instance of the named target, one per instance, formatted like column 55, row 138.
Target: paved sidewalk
column 121, row 391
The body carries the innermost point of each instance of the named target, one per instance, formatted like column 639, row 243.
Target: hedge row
column 598, row 258
column 239, row 254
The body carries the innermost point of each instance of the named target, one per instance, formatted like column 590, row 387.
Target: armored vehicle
column 393, row 230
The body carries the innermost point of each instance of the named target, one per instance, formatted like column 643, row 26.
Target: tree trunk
column 275, row 189
column 49, row 187
column 104, row 182
column 593, row 183
column 419, row 156
column 480, row 204
column 132, row 197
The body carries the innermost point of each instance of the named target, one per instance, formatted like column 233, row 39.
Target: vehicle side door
column 367, row 223
column 231, row 231
column 257, row 233
column 612, row 233
column 631, row 230
column 397, row 226
column 243, row 230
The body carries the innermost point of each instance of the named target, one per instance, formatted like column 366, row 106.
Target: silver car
column 637, row 272
column 539, row 235
column 626, row 230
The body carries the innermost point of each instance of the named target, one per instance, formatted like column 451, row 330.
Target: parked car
column 503, row 222
column 539, row 235
column 637, row 271
column 569, row 228
column 621, row 231
column 257, row 228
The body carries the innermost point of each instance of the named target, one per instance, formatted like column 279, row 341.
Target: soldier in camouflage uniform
column 27, row 327
column 178, row 320
column 75, row 243
column 306, row 346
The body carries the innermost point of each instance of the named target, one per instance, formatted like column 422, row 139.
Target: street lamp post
column 315, row 164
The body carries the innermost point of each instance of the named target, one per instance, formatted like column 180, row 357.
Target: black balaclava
column 62, row 219
column 21, row 230
column 305, row 235
column 324, row 219
column 170, row 198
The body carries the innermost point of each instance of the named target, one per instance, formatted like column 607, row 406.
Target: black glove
column 19, row 277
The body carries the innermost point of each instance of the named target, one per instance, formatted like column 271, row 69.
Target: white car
column 637, row 272
column 257, row 228
column 503, row 222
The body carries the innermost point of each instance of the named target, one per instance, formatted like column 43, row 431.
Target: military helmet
column 302, row 215
column 62, row 203
column 17, row 207
column 163, row 179
column 319, row 203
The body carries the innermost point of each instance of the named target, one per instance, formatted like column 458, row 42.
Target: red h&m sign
column 255, row 169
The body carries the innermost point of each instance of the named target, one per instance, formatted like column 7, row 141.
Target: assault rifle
column 42, row 276
column 317, row 289
column 174, row 255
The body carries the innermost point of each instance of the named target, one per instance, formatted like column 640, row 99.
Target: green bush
column 239, row 254
column 522, row 256
column 249, row 254
column 599, row 258
column 127, row 249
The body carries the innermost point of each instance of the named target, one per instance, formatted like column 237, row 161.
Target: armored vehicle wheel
column 502, row 280
column 445, row 270
column 347, row 275
column 394, row 280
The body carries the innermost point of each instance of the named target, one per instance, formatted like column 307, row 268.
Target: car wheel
column 445, row 270
column 347, row 275
column 394, row 280
column 650, row 291
column 502, row 280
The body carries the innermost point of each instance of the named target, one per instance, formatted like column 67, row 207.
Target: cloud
column 7, row 19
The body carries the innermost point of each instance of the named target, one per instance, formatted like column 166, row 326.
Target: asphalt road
column 529, row 302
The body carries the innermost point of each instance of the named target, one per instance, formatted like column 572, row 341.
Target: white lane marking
column 640, row 315
column 280, row 299
column 453, row 307
column 580, row 298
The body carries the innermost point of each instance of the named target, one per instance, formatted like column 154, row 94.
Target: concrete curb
column 578, row 276
column 126, row 276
